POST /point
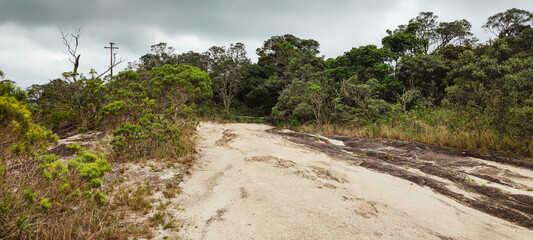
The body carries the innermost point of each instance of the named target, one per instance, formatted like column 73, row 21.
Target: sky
column 32, row 51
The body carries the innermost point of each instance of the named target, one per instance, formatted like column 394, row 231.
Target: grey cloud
column 136, row 24
column 220, row 18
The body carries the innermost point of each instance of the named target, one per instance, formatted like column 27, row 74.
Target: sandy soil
column 254, row 183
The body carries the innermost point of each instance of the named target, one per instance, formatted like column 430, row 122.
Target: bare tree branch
column 74, row 57
column 115, row 63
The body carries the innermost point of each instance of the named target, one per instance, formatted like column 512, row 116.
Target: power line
column 111, row 47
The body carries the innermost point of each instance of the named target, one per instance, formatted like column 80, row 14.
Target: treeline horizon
column 429, row 81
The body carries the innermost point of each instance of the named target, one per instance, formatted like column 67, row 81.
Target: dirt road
column 252, row 182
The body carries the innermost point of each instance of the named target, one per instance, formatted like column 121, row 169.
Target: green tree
column 199, row 60
column 364, row 100
column 19, row 135
column 278, row 52
column 306, row 99
column 491, row 91
column 427, row 24
column 226, row 69
column 509, row 23
column 159, row 55
column 60, row 103
column 174, row 86
column 370, row 62
column 427, row 73
column 8, row 88
column 450, row 32
column 124, row 100
column 254, row 92
column 404, row 41
column 438, row 34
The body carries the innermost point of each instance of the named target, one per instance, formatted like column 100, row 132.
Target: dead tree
column 74, row 57
column 72, row 42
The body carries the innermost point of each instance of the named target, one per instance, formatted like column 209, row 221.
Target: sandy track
column 251, row 183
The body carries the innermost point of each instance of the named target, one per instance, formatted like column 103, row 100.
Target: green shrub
column 46, row 177
column 45, row 204
column 51, row 166
column 82, row 130
column 3, row 208
column 18, row 132
column 293, row 124
column 94, row 170
column 96, row 182
column 29, row 195
column 74, row 147
column 64, row 187
column 100, row 197
column 59, row 119
column 90, row 166
column 21, row 222
column 151, row 138
column 2, row 169
column 303, row 111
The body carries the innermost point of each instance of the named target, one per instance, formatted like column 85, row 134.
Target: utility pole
column 111, row 47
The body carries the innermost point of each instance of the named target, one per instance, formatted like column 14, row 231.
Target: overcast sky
column 32, row 52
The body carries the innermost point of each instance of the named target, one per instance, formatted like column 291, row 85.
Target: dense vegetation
column 430, row 81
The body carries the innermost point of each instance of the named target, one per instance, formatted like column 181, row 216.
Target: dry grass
column 421, row 132
column 73, row 212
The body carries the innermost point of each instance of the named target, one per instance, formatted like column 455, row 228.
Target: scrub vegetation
column 428, row 81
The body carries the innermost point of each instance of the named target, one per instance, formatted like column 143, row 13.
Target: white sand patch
column 261, row 186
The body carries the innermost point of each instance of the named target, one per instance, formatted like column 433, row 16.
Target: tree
column 451, row 32
column 8, row 88
column 174, row 86
column 53, row 103
column 306, row 99
column 318, row 100
column 74, row 57
column 293, row 100
column 364, row 99
column 282, row 59
column 369, row 62
column 19, row 135
column 426, row 73
column 278, row 51
column 438, row 34
column 491, row 91
column 199, row 60
column 509, row 23
column 404, row 42
column 226, row 68
column 427, row 23
column 159, row 55
column 254, row 92
column 60, row 104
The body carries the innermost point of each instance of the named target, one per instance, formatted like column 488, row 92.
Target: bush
column 18, row 132
column 29, row 195
column 303, row 111
column 152, row 138
column 90, row 166
column 60, row 191
column 82, row 130
column 45, row 204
